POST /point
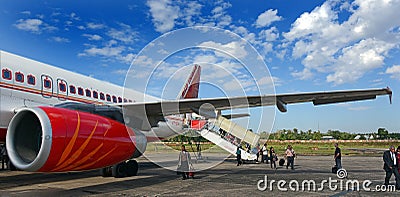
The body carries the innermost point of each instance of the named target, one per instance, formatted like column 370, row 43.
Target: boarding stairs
column 227, row 135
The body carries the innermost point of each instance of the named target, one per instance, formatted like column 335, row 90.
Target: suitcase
column 334, row 169
column 281, row 162
column 191, row 174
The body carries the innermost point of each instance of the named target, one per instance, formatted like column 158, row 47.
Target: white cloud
column 220, row 16
column 345, row 49
column 60, row 39
column 394, row 71
column 164, row 14
column 236, row 49
column 109, row 52
column 192, row 9
column 359, row 108
column 31, row 25
column 92, row 36
column 124, row 34
column 105, row 51
column 26, row 12
column 36, row 26
column 304, row 74
column 359, row 59
column 267, row 18
column 73, row 16
column 270, row 34
column 95, row 26
column 267, row 81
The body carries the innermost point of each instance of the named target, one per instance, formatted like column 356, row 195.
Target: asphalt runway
column 224, row 179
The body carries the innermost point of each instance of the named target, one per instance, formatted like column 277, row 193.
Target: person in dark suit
column 390, row 166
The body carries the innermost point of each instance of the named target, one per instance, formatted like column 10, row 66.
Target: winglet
column 191, row 87
column 389, row 91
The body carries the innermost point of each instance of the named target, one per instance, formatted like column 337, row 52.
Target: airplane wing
column 155, row 111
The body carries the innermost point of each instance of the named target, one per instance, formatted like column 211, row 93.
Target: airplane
column 54, row 120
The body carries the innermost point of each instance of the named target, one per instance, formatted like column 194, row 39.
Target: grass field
column 301, row 147
column 349, row 148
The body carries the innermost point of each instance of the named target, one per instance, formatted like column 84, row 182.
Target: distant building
column 327, row 137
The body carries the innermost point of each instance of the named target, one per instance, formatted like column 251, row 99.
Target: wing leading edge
column 155, row 111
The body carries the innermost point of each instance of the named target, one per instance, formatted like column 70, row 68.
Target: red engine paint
column 83, row 141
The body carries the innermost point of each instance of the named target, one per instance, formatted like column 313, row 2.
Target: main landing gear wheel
column 11, row 166
column 106, row 172
column 132, row 168
column 124, row 169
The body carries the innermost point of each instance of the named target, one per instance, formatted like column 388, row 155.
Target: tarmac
column 223, row 179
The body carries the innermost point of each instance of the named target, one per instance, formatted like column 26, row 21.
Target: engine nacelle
column 49, row 139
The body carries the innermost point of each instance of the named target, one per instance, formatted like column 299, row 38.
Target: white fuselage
column 29, row 83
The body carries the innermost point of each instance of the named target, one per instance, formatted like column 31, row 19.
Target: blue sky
column 307, row 46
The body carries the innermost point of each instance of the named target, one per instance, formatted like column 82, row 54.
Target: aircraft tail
column 191, row 87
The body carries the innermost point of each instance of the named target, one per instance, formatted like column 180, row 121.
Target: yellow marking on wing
column 79, row 151
column 71, row 143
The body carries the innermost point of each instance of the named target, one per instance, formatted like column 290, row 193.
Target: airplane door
column 62, row 89
column 47, row 86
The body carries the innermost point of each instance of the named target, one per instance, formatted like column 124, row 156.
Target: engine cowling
column 49, row 139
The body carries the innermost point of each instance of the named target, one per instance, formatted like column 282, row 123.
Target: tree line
column 295, row 134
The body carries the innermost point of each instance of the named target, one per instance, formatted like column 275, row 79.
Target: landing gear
column 123, row 169
column 11, row 166
column 106, row 172
column 132, row 168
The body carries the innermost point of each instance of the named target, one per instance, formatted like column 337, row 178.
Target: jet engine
column 52, row 139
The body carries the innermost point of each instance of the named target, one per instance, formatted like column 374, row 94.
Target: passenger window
column 72, row 89
column 80, row 91
column 119, row 100
column 62, row 86
column 108, row 97
column 47, row 83
column 6, row 74
column 114, row 99
column 95, row 94
column 102, row 96
column 19, row 77
column 31, row 80
column 88, row 93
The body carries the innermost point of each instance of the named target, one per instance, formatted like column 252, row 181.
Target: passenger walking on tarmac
column 290, row 155
column 338, row 156
column 264, row 153
column 273, row 157
column 184, row 162
column 258, row 151
column 4, row 156
column 390, row 166
column 398, row 159
column 239, row 156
